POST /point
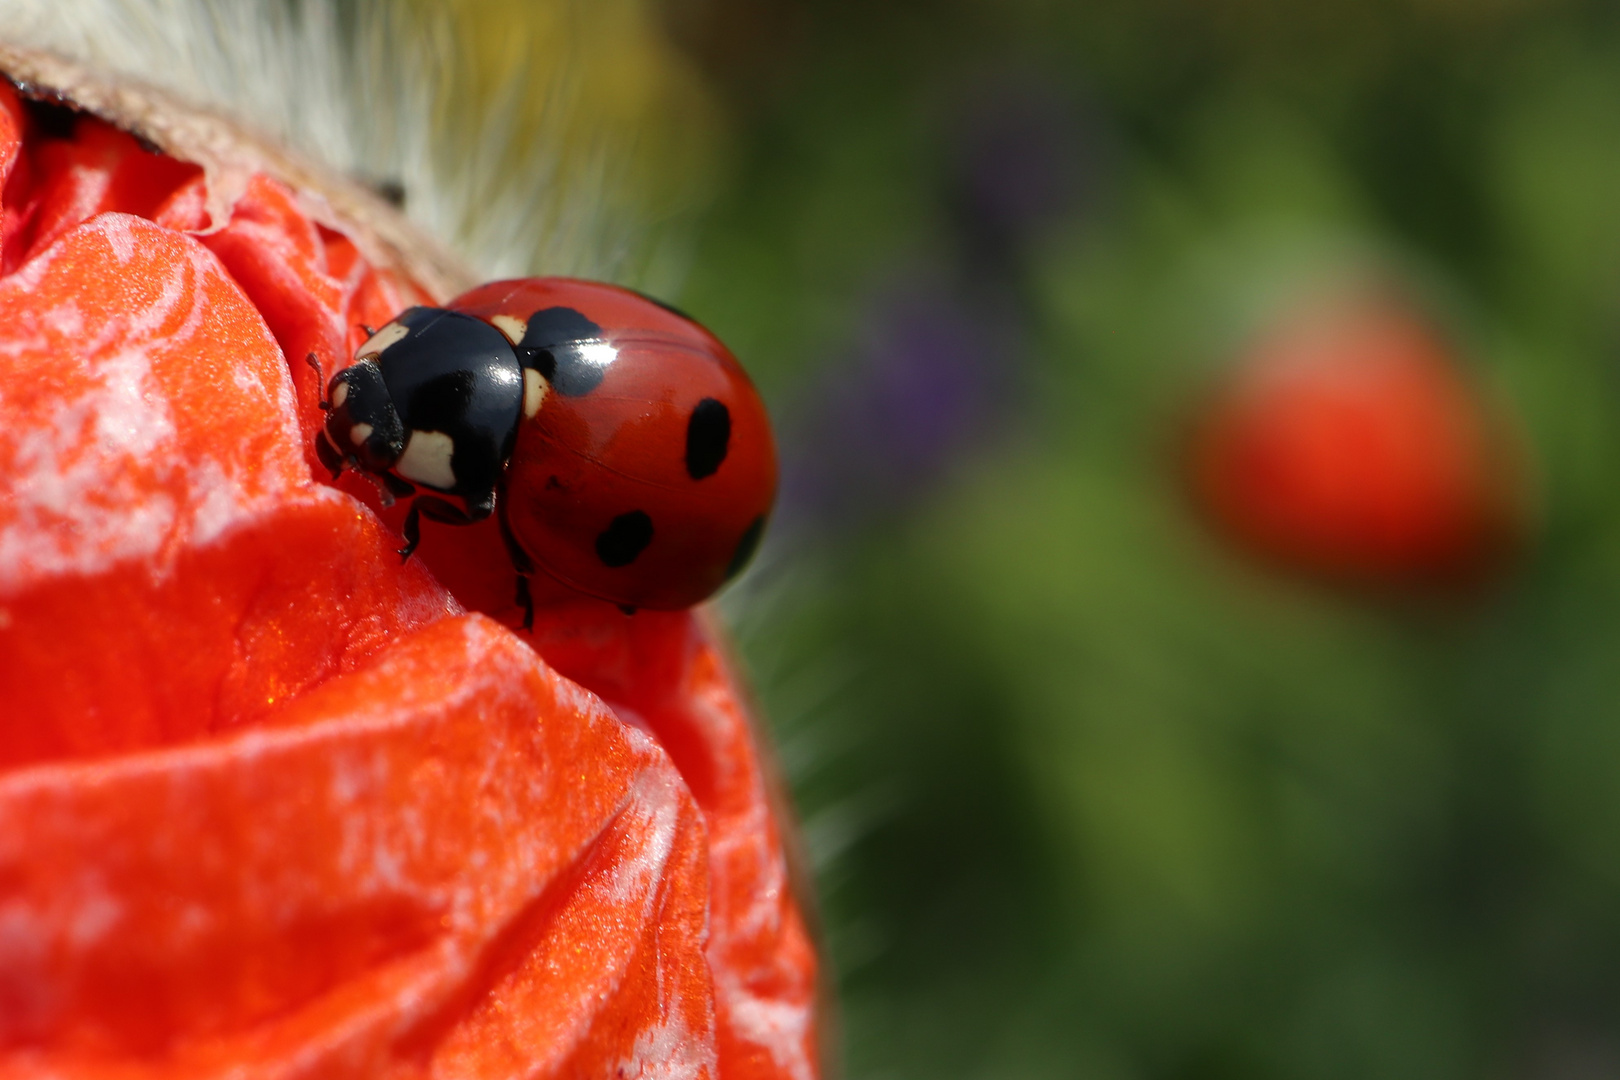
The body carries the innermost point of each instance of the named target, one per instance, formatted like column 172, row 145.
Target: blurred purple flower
column 1025, row 154
column 931, row 369
column 936, row 359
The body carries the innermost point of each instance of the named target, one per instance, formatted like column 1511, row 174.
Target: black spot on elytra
column 553, row 345
column 626, row 537
column 558, row 325
column 708, row 435
column 746, row 547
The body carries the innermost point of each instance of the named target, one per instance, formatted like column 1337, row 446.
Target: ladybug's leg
column 524, row 566
column 525, row 601
column 480, row 506
column 413, row 531
column 426, row 506
column 443, row 510
column 398, row 487
column 474, row 509
column 520, row 558
column 385, row 494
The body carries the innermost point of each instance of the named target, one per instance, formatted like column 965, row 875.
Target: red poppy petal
column 452, row 857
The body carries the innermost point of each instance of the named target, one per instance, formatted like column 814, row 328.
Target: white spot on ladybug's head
column 340, row 394
column 534, row 391
column 360, row 433
column 513, row 327
column 382, row 339
column 427, row 459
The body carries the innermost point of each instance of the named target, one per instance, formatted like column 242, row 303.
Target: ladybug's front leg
column 524, row 566
column 412, row 531
column 448, row 512
column 525, row 601
column 441, row 510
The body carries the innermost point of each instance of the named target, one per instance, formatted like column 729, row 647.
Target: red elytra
column 269, row 801
column 634, row 445
column 1349, row 443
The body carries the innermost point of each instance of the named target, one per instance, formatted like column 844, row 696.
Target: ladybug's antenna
column 320, row 381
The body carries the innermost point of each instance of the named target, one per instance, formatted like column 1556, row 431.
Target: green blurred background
column 1087, row 791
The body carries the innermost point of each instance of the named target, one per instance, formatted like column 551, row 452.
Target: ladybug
column 620, row 445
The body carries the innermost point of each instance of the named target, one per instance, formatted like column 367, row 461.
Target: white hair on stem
column 378, row 90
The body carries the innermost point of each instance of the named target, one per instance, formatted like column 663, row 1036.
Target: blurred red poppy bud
column 1349, row 442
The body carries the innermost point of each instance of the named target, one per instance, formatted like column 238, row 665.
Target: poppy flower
column 273, row 802
column 1349, row 443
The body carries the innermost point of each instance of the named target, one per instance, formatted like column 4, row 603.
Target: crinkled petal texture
column 273, row 804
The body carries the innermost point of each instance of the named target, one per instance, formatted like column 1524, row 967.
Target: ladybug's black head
column 362, row 424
